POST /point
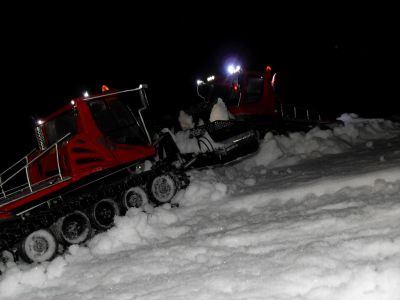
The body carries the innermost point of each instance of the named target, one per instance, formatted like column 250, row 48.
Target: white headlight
column 234, row 69
column 231, row 69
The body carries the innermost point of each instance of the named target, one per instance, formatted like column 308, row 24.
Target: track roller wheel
column 162, row 188
column 74, row 228
column 103, row 212
column 7, row 256
column 39, row 246
column 134, row 197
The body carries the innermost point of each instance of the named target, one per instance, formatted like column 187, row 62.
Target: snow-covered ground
column 310, row 216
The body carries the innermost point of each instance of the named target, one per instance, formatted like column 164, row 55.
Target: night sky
column 337, row 58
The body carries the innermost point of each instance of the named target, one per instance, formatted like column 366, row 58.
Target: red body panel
column 87, row 151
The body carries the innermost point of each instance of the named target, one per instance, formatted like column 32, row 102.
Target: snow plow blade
column 224, row 142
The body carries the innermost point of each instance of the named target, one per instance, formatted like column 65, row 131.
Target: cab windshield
column 116, row 121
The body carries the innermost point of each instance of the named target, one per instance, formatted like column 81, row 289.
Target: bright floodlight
column 199, row 81
column 86, row 94
column 73, row 102
column 210, row 78
column 39, row 122
column 233, row 69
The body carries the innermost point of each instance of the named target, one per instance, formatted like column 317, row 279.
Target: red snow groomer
column 95, row 160
column 253, row 96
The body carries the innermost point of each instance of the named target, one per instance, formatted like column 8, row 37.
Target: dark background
column 338, row 58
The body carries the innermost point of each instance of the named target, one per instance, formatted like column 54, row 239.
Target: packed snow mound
column 286, row 150
column 202, row 190
column 348, row 118
column 358, row 130
column 185, row 142
column 136, row 229
column 219, row 112
column 185, row 120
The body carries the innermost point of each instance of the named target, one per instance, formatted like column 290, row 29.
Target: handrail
column 58, row 162
column 15, row 190
column 141, row 87
column 27, row 178
column 54, row 145
column 293, row 111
